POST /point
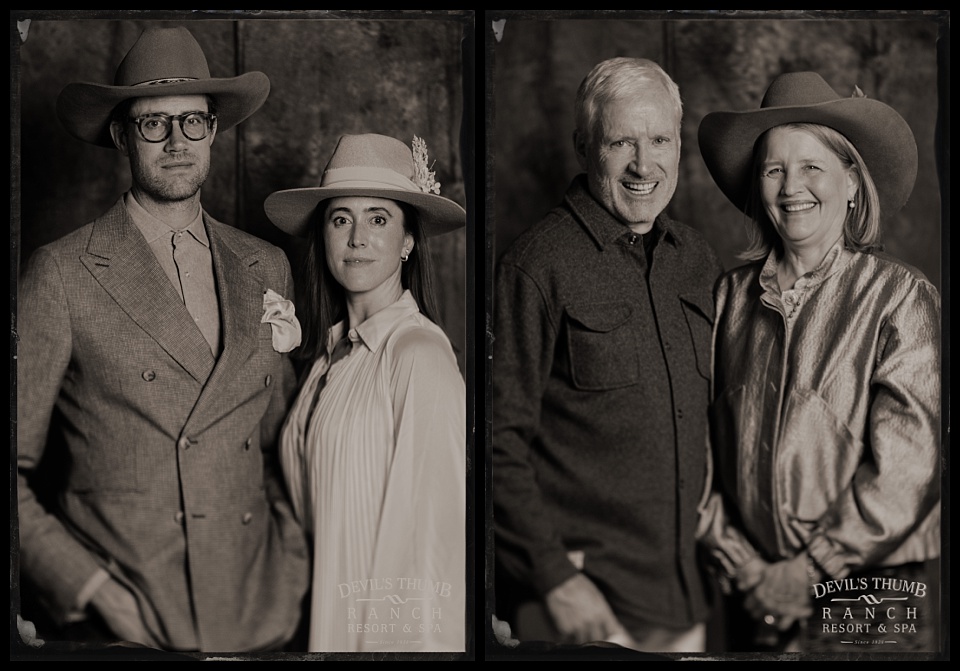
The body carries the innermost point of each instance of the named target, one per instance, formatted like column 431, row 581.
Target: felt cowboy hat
column 879, row 133
column 162, row 62
column 370, row 165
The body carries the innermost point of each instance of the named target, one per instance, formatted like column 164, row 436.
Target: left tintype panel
column 147, row 447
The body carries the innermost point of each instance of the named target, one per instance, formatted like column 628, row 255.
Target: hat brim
column 290, row 210
column 879, row 133
column 84, row 108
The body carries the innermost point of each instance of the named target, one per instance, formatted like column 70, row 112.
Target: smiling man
column 143, row 352
column 601, row 361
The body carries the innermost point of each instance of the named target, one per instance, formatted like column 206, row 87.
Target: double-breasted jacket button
column 184, row 443
column 247, row 518
column 148, row 375
column 178, row 518
column 267, row 380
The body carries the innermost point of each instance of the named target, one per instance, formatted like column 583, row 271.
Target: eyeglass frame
column 209, row 117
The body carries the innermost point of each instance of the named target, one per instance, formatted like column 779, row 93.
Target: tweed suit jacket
column 169, row 477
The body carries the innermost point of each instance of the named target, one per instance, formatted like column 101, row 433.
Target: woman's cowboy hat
column 162, row 62
column 882, row 137
column 370, row 165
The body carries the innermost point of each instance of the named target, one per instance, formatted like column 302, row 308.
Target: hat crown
column 162, row 54
column 371, row 151
column 798, row 88
column 370, row 166
column 882, row 137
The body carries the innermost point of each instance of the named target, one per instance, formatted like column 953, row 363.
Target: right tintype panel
column 826, row 417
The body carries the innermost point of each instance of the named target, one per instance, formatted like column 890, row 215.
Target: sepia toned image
column 243, row 335
column 716, row 300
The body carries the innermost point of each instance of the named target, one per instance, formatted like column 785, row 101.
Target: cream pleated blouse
column 376, row 473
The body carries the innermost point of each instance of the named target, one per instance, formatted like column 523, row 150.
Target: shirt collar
column 153, row 228
column 602, row 226
column 835, row 259
column 376, row 327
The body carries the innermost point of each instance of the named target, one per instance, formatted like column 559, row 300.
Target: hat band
column 375, row 177
column 174, row 80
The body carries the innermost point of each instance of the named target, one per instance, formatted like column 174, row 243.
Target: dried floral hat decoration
column 879, row 133
column 370, row 165
column 162, row 62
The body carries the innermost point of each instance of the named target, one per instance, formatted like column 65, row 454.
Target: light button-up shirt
column 185, row 257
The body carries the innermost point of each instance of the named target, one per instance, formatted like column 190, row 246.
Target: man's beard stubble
column 172, row 188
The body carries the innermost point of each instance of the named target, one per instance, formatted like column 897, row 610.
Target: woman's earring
column 850, row 204
column 406, row 255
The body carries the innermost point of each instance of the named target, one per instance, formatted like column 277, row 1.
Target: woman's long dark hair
column 323, row 300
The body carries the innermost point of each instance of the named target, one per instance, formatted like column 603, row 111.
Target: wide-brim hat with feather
column 879, row 133
column 162, row 62
column 370, row 165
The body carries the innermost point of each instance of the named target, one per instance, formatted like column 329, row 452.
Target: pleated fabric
column 374, row 455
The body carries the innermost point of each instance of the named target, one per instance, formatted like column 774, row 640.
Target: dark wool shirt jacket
column 600, row 392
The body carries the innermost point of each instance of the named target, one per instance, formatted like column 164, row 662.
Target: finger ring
column 769, row 619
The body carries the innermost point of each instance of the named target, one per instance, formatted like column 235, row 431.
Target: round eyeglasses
column 156, row 127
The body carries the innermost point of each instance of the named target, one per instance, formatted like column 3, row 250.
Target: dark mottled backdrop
column 719, row 64
column 328, row 77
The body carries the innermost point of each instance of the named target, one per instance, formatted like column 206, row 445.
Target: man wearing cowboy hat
column 152, row 345
column 600, row 384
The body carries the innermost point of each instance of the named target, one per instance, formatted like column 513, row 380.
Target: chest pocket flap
column 698, row 309
column 702, row 302
column 601, row 317
column 602, row 346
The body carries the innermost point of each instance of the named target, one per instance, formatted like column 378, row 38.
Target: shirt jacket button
column 178, row 518
column 149, row 375
column 247, row 518
column 267, row 380
column 184, row 443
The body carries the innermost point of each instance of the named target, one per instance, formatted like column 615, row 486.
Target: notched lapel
column 120, row 259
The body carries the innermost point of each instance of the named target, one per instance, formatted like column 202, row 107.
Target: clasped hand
column 776, row 593
column 581, row 613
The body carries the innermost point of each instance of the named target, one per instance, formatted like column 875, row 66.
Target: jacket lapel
column 240, row 291
column 120, row 259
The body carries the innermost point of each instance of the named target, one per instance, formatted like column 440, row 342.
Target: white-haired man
column 601, row 362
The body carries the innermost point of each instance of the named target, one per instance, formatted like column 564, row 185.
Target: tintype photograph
column 242, row 380
column 717, row 283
